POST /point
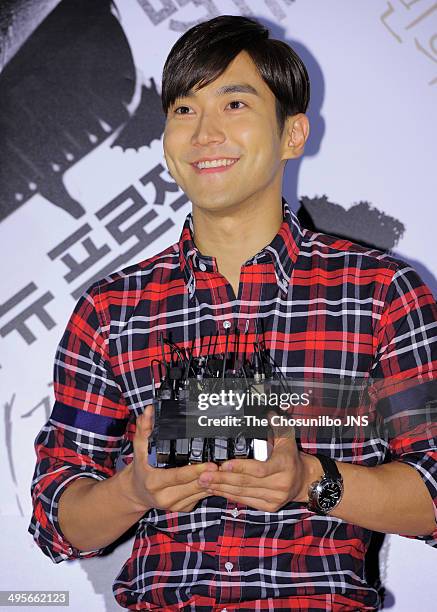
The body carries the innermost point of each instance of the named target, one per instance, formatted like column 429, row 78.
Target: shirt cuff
column 46, row 530
column 426, row 466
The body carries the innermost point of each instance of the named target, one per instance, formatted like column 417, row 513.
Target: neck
column 236, row 234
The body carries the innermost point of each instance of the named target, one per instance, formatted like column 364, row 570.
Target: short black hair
column 203, row 53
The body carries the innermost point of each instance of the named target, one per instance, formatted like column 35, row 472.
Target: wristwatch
column 325, row 494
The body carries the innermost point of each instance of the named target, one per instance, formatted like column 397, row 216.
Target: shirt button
column 235, row 512
column 229, row 566
column 226, row 324
column 202, row 267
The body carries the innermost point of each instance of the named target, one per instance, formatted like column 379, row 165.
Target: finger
column 183, row 499
column 188, row 488
column 279, row 431
column 280, row 460
column 169, row 493
column 252, row 502
column 283, row 443
column 184, row 475
column 145, row 421
column 143, row 430
column 271, row 495
column 187, row 504
column 251, row 467
column 235, row 479
column 243, row 481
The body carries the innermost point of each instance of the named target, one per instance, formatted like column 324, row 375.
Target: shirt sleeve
column 83, row 436
column 405, row 377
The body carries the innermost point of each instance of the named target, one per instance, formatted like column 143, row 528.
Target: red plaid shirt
column 329, row 307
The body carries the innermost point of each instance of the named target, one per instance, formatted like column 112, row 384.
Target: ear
column 295, row 135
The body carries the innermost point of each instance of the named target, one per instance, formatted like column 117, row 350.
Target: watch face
column 329, row 495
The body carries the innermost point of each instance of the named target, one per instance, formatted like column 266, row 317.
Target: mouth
column 215, row 165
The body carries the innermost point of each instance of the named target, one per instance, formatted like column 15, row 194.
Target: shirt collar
column 282, row 251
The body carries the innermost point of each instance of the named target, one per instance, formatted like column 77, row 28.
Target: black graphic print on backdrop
column 362, row 223
column 146, row 123
column 62, row 94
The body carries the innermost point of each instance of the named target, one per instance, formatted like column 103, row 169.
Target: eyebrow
column 227, row 89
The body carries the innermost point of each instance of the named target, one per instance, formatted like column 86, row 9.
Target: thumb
column 277, row 431
column 144, row 428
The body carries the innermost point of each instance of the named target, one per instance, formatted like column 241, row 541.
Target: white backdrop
column 373, row 71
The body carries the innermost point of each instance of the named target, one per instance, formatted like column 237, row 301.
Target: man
column 243, row 536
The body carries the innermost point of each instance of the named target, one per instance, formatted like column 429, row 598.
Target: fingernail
column 227, row 467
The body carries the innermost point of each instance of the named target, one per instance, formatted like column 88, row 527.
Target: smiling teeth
column 215, row 162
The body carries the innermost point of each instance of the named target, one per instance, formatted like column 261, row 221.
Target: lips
column 214, row 168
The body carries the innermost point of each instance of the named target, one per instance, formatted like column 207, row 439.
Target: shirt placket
column 229, row 553
column 227, row 587
column 231, row 534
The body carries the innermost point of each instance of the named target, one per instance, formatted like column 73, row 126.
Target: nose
column 208, row 130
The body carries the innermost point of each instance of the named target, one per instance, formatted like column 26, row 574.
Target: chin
column 214, row 204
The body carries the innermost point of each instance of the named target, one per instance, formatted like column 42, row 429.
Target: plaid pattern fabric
column 329, row 307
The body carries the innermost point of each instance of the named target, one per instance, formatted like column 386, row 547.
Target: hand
column 266, row 485
column 173, row 489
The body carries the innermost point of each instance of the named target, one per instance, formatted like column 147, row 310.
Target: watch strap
column 329, row 467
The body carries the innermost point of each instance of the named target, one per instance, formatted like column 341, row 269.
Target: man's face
column 239, row 126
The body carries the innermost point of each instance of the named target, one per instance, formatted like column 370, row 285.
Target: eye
column 184, row 110
column 237, row 102
column 179, row 108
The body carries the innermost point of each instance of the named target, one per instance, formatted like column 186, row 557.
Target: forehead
column 241, row 75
